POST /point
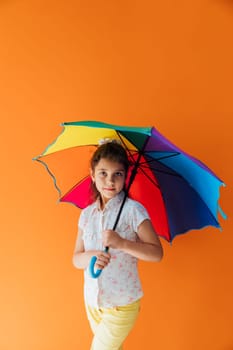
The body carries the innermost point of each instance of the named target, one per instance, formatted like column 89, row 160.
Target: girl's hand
column 102, row 261
column 111, row 239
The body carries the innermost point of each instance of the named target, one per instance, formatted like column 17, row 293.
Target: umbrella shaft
column 132, row 176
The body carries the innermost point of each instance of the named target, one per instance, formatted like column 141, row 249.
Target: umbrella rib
column 148, row 161
column 149, row 177
column 146, row 165
column 158, row 171
column 129, row 151
column 158, row 159
column 142, row 167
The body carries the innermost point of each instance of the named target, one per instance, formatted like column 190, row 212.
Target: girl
column 113, row 300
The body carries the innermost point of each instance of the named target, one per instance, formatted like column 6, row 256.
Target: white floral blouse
column 119, row 283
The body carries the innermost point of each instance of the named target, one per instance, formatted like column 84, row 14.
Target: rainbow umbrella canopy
column 179, row 191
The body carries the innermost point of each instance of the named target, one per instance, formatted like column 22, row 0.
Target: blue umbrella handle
column 95, row 273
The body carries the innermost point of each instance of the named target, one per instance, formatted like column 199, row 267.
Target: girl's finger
column 102, row 260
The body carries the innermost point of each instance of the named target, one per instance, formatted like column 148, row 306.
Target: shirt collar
column 115, row 201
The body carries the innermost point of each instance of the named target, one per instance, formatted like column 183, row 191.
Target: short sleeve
column 139, row 214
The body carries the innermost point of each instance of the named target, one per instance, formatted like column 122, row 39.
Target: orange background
column 168, row 64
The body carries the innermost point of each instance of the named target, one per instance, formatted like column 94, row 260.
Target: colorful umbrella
column 179, row 191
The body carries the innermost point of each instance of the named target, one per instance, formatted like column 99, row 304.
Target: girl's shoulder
column 89, row 208
column 136, row 212
column 132, row 203
column 86, row 214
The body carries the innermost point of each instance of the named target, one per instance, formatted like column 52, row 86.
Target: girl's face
column 109, row 178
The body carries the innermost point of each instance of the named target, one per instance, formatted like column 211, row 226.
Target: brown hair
column 112, row 151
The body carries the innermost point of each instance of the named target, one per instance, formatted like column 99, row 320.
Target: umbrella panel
column 68, row 167
column 148, row 194
column 77, row 136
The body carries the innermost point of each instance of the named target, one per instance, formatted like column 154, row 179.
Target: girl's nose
column 111, row 178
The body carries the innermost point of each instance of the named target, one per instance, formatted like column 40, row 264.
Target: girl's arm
column 81, row 258
column 147, row 248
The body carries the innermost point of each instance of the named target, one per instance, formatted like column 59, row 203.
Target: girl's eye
column 119, row 173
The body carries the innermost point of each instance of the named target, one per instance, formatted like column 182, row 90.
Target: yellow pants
column 111, row 326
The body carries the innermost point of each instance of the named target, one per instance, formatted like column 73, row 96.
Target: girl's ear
column 92, row 175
